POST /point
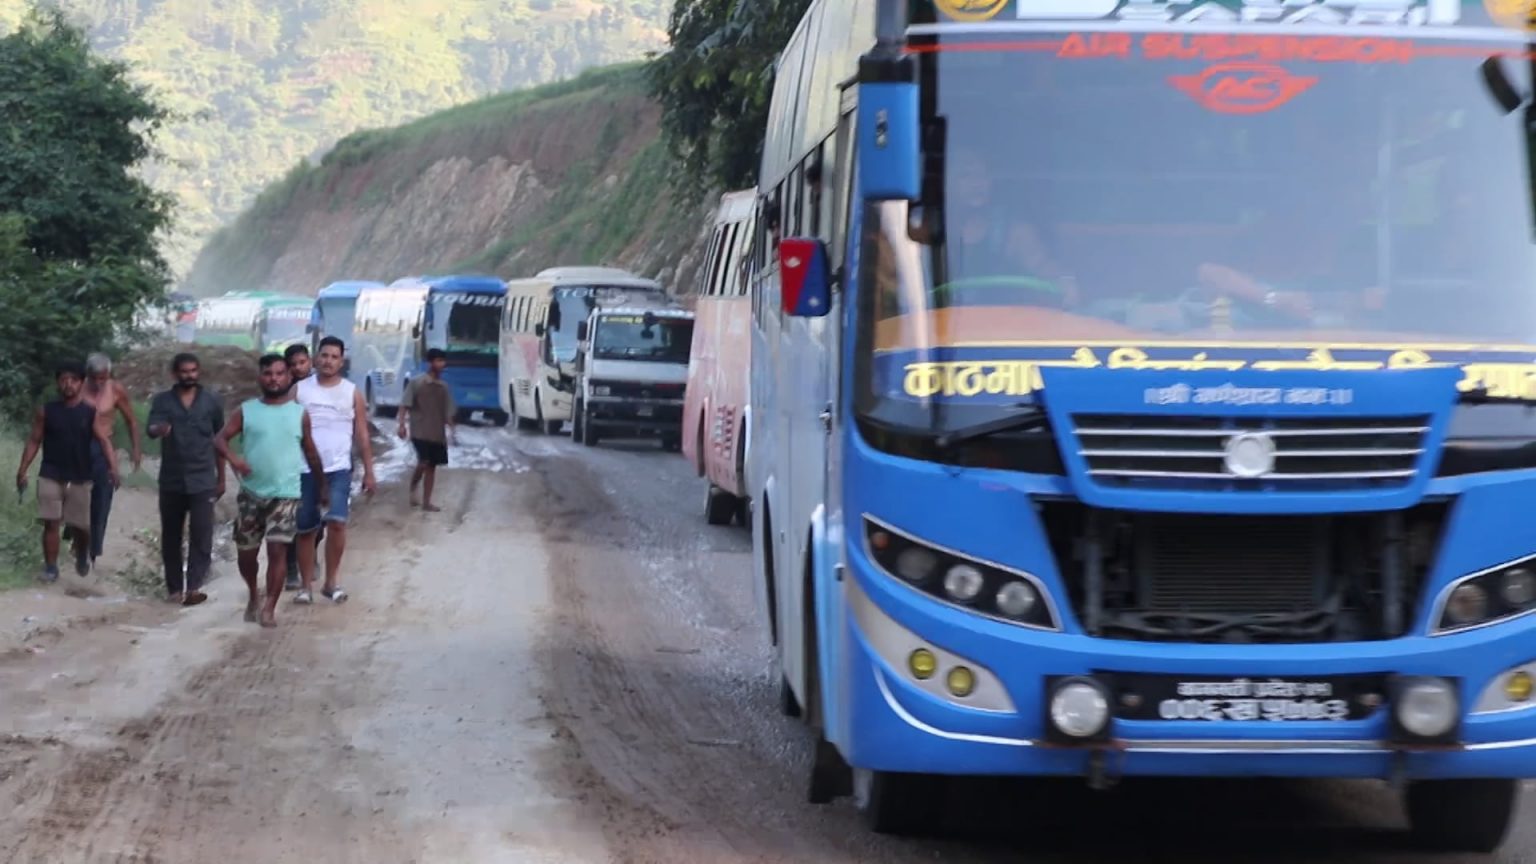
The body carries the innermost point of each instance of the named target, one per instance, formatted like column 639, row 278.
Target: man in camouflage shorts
column 275, row 433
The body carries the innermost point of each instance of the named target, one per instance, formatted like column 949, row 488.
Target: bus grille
column 1310, row 454
column 1248, row 567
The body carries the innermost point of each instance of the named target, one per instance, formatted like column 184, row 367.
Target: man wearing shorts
column 338, row 419
column 65, row 430
column 276, row 437
column 429, row 406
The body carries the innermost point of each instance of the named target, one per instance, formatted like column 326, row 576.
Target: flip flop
column 336, row 595
column 303, row 598
column 193, row 598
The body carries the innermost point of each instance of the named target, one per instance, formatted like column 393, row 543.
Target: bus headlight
column 1078, row 709
column 1484, row 598
column 979, row 586
column 1424, row 710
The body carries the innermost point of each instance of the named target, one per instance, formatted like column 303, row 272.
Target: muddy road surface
column 563, row 666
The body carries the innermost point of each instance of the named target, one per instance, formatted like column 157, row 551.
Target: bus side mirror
column 538, row 330
column 806, row 279
column 889, row 144
column 581, row 332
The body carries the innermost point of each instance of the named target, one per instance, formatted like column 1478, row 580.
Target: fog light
column 960, row 681
column 1518, row 687
column 922, row 664
column 1468, row 603
column 963, row 582
column 1079, row 709
column 1518, row 586
column 1425, row 707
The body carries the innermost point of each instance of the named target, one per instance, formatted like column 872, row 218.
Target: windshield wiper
column 1028, row 417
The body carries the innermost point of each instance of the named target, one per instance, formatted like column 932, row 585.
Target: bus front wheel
column 1461, row 815
column 908, row 804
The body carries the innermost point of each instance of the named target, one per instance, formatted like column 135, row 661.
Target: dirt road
column 561, row 667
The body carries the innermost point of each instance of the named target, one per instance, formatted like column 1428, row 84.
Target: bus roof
column 467, row 284
column 346, row 290
column 736, row 206
column 594, row 276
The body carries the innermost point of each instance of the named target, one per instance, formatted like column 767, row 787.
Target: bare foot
column 250, row 613
column 268, row 619
column 432, row 508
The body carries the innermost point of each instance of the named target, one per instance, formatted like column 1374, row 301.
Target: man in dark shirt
column 186, row 419
column 429, row 409
column 64, row 430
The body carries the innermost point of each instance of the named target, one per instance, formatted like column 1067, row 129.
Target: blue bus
column 1143, row 388
column 333, row 315
column 397, row 324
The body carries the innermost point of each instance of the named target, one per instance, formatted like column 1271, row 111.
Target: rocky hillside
column 262, row 84
column 570, row 173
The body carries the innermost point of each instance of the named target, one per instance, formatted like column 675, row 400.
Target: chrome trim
column 1275, row 433
column 1438, row 609
column 1050, row 602
column 1211, row 475
column 1277, row 748
column 1219, row 454
column 893, row 643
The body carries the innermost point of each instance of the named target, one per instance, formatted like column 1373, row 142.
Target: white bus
column 538, row 336
column 386, row 341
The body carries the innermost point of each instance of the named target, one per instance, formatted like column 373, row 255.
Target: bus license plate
column 1250, row 699
column 645, row 411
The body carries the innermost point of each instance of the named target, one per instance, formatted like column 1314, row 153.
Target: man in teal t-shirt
column 274, row 432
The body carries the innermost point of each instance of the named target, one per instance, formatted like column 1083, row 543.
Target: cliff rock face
column 574, row 173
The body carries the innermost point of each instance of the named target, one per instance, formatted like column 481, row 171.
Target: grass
column 19, row 549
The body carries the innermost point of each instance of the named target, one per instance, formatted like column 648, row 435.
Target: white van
column 632, row 374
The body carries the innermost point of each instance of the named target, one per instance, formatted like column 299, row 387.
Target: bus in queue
column 1143, row 389
column 333, row 314
column 715, row 406
column 229, row 319
column 283, row 321
column 537, row 379
column 397, row 325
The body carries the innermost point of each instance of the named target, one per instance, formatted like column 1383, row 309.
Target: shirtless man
column 109, row 397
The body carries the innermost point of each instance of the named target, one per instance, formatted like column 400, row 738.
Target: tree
column 78, row 228
column 715, row 83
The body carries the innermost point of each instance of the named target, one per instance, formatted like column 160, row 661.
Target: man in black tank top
column 64, row 429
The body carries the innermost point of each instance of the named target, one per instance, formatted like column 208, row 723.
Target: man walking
column 428, row 405
column 338, row 419
column 299, row 369
column 276, row 436
column 186, row 419
column 109, row 397
column 64, row 429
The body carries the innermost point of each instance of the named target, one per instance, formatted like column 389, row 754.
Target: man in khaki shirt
column 428, row 405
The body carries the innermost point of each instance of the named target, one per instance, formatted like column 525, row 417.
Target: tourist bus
column 231, row 319
column 397, row 325
column 537, row 381
column 715, row 407
column 283, row 321
column 333, row 314
column 1144, row 388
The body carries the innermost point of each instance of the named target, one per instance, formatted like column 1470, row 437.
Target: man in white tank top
column 338, row 418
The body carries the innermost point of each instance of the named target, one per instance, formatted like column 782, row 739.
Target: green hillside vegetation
column 262, row 84
column 607, row 182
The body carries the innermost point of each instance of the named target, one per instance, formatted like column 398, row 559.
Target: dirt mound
column 228, row 371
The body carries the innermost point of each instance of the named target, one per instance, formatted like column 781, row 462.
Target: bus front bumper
column 892, row 721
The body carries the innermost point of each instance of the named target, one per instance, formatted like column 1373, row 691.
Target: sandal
column 303, row 598
column 193, row 598
column 335, row 595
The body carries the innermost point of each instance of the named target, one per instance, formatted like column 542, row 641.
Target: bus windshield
column 468, row 327
column 627, row 337
column 285, row 327
column 572, row 304
column 1173, row 188
column 336, row 316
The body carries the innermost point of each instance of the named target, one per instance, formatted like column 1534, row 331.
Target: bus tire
column 789, row 706
column 499, row 418
column 901, row 804
column 1461, row 815
column 719, row 505
column 589, row 435
column 548, row 427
